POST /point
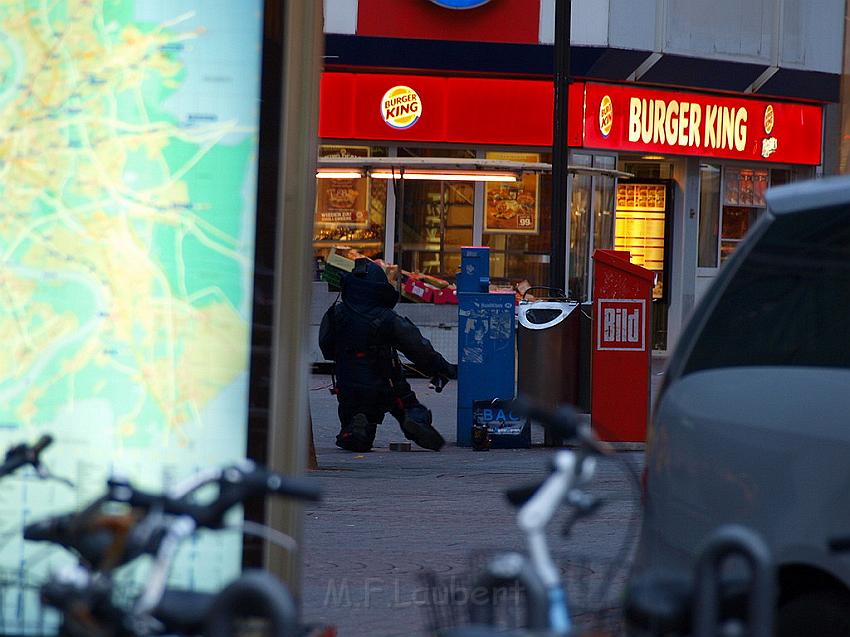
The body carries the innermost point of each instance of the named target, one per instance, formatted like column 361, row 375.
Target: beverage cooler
column 643, row 227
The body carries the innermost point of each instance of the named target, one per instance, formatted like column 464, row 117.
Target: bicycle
column 546, row 608
column 20, row 592
column 105, row 539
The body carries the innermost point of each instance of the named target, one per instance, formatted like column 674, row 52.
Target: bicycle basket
column 450, row 596
column 594, row 562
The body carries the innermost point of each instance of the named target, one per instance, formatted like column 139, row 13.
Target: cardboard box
column 339, row 262
column 446, row 296
column 418, row 291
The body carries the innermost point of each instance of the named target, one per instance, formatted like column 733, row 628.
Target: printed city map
column 128, row 154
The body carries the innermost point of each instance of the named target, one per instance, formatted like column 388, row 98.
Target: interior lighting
column 445, row 176
column 652, row 157
column 338, row 174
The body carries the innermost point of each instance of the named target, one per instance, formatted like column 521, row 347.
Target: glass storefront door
column 591, row 220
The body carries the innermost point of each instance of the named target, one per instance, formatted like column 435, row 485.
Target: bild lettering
column 621, row 326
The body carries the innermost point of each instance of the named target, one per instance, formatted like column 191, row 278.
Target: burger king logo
column 606, row 116
column 770, row 144
column 768, row 119
column 401, row 107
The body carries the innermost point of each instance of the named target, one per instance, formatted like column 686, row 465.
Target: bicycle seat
column 183, row 612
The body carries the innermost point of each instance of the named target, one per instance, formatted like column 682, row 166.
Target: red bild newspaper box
column 620, row 370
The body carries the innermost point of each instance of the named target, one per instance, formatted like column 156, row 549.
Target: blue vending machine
column 486, row 342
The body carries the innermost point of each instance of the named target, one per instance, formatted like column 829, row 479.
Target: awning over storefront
column 448, row 167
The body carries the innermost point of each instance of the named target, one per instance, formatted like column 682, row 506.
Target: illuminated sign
column 401, row 107
column 768, row 119
column 677, row 123
column 606, row 116
column 460, row 4
column 769, row 144
column 629, row 118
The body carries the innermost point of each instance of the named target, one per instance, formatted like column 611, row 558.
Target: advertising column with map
column 128, row 171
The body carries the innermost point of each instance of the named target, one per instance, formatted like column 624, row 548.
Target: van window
column 789, row 301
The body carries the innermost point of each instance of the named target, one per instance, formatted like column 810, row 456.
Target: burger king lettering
column 680, row 123
column 401, row 107
column 651, row 121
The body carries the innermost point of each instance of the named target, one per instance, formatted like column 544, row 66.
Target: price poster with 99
column 512, row 207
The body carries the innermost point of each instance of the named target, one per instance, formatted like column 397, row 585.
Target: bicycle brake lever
column 45, row 474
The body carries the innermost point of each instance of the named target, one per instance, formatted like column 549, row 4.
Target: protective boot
column 417, row 427
column 358, row 435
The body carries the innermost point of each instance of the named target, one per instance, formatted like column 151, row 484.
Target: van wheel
column 822, row 613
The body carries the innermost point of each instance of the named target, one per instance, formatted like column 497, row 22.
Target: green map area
column 127, row 203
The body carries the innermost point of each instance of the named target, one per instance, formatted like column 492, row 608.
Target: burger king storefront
column 699, row 163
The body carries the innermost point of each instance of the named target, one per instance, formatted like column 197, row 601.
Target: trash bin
column 548, row 353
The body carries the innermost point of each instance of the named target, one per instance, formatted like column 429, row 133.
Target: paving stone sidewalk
column 388, row 517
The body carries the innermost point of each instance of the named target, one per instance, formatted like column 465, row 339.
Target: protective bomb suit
column 363, row 335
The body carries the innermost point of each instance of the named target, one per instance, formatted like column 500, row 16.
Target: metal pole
column 560, row 153
column 399, row 220
column 303, row 41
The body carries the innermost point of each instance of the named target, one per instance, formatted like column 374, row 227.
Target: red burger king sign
column 401, row 107
column 636, row 119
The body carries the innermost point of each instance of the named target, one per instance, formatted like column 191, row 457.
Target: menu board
column 342, row 201
column 640, row 227
column 512, row 208
column 745, row 187
column 650, row 197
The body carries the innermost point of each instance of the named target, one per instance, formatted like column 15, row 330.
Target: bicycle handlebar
column 236, row 485
column 23, row 454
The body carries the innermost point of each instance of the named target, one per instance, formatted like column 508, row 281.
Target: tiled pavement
column 389, row 516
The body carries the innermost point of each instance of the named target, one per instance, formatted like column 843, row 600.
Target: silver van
column 752, row 424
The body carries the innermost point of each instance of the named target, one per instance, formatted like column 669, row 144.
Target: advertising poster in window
column 342, row 201
column 512, row 208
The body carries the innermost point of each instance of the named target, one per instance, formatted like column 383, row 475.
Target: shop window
column 603, row 205
column 724, row 221
column 350, row 213
column 743, row 203
column 591, row 219
column 647, row 168
column 436, row 219
column 709, row 215
column 580, row 202
column 516, row 224
column 780, row 177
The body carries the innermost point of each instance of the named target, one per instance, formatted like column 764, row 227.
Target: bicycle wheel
column 256, row 601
